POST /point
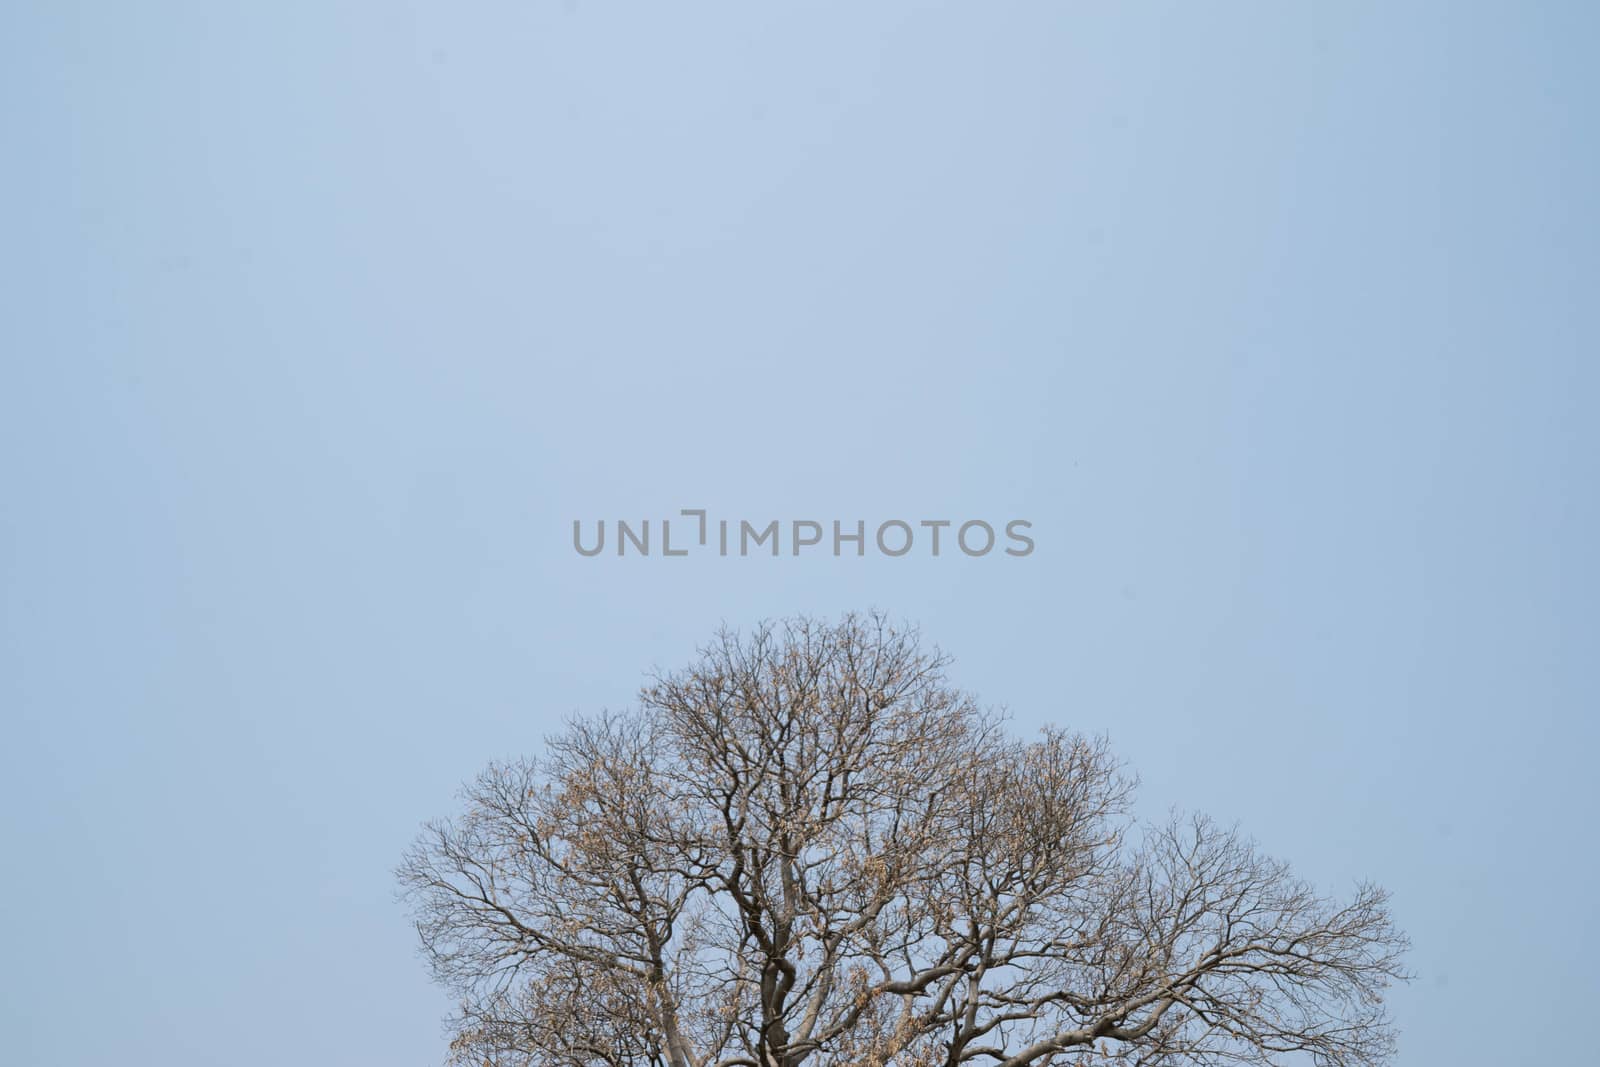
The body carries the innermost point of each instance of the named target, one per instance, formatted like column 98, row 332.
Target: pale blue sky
column 321, row 322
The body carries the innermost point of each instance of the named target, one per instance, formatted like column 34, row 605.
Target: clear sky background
column 320, row 322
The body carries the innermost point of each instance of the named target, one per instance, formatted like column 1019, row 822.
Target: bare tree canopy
column 807, row 848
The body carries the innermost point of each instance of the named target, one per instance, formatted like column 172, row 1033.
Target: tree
column 807, row 848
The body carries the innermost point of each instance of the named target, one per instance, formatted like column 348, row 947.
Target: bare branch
column 808, row 847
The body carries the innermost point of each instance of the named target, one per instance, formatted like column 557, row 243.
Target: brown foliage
column 808, row 848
